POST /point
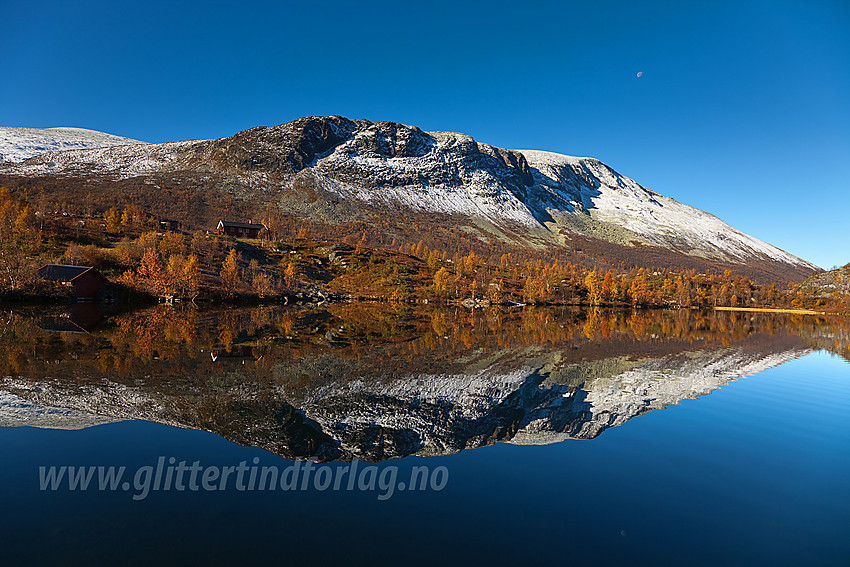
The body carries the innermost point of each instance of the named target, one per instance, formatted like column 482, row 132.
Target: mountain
column 327, row 408
column 18, row 412
column 825, row 284
column 18, row 144
column 377, row 382
column 409, row 184
column 522, row 397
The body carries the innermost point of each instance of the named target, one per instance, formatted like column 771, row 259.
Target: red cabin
column 239, row 229
column 86, row 280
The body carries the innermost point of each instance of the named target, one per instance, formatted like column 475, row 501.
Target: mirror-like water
column 571, row 460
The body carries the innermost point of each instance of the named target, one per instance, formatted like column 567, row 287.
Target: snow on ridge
column 479, row 193
column 126, row 159
column 471, row 394
column 566, row 184
column 19, row 144
column 669, row 380
column 480, row 197
column 610, row 197
column 16, row 412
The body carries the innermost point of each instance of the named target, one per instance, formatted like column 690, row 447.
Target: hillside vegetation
column 130, row 247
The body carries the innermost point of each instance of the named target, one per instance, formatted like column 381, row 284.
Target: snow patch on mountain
column 127, row 160
column 445, row 178
column 600, row 192
column 472, row 395
column 18, row 412
column 18, row 144
column 653, row 384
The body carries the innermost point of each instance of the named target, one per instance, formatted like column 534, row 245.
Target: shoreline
column 773, row 310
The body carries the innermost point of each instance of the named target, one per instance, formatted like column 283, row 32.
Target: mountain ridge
column 525, row 396
column 19, row 144
column 335, row 170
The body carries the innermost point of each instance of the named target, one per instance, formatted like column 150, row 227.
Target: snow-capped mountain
column 18, row 144
column 334, row 170
column 17, row 412
column 522, row 396
column 597, row 191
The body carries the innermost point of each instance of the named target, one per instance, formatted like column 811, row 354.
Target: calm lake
column 363, row 434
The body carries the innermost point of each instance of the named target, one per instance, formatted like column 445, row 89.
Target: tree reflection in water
column 378, row 381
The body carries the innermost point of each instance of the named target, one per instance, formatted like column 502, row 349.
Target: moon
column 640, row 74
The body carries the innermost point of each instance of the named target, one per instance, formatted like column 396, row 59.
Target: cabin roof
column 64, row 273
column 60, row 325
column 241, row 225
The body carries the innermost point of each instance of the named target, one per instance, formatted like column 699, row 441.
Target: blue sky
column 742, row 110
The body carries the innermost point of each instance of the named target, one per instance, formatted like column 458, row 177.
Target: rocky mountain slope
column 825, row 284
column 18, row 144
column 524, row 396
column 539, row 402
column 18, row 412
column 334, row 170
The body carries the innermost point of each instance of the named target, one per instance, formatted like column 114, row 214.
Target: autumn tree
column 88, row 255
column 723, row 295
column 152, row 274
column 290, row 275
column 591, row 281
column 682, row 293
column 190, row 276
column 25, row 219
column 253, row 268
column 230, row 273
column 639, row 291
column 441, row 280
column 533, row 290
column 609, row 286
column 261, row 284
column 148, row 240
column 202, row 246
column 172, row 243
column 494, row 292
column 113, row 221
column 127, row 217
column 457, row 262
column 16, row 270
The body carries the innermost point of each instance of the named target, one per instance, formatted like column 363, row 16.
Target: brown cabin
column 239, row 229
column 86, row 280
column 167, row 224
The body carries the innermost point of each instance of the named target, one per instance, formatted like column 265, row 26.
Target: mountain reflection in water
column 376, row 382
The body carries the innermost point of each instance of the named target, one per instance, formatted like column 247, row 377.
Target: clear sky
column 742, row 108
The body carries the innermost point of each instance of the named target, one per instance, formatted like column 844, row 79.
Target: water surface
column 612, row 437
